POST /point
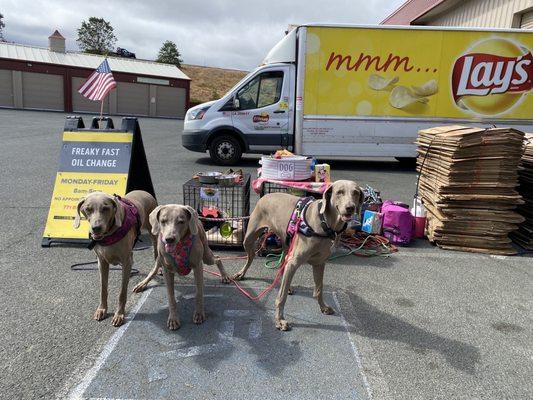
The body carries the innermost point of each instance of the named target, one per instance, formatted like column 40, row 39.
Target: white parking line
column 79, row 390
column 354, row 348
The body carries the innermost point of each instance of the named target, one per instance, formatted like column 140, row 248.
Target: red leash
column 279, row 273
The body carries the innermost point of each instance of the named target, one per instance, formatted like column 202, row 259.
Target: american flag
column 99, row 83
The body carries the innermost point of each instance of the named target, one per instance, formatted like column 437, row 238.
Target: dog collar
column 330, row 232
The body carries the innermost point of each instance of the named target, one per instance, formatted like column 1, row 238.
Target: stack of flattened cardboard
column 524, row 235
column 468, row 179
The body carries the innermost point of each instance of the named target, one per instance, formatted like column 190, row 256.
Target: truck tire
column 225, row 150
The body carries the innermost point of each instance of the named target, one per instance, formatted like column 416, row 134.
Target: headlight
column 197, row 114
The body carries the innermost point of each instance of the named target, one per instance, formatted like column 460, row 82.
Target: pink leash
column 279, row 274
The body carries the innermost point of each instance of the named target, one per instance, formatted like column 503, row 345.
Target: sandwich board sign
column 108, row 160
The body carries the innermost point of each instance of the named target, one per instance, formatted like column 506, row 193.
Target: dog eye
column 181, row 221
column 340, row 192
column 88, row 209
column 105, row 208
column 163, row 221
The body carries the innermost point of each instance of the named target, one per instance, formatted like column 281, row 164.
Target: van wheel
column 225, row 150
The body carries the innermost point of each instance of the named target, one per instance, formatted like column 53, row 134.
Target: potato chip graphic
column 427, row 89
column 377, row 82
column 402, row 97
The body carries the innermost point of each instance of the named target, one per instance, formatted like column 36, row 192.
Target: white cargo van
column 365, row 91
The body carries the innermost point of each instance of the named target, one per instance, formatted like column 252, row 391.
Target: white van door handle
column 279, row 112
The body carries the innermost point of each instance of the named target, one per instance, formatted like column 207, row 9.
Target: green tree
column 96, row 36
column 2, row 26
column 169, row 54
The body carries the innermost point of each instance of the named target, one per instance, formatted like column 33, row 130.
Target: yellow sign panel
column 69, row 188
column 89, row 161
column 418, row 73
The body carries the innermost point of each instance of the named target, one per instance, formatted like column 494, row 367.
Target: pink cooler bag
column 397, row 222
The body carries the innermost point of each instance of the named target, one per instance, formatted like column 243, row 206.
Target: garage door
column 170, row 102
column 133, row 98
column 82, row 104
column 42, row 91
column 527, row 20
column 6, row 88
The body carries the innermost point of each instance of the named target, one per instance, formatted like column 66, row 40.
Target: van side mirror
column 236, row 103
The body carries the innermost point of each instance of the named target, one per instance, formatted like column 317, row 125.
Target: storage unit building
column 48, row 79
column 468, row 13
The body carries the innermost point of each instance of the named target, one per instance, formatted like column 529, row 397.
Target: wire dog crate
column 223, row 210
column 271, row 187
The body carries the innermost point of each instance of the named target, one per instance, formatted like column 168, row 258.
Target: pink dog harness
column 180, row 257
column 297, row 221
column 298, row 224
column 131, row 219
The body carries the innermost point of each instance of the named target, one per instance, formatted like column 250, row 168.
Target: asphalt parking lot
column 422, row 324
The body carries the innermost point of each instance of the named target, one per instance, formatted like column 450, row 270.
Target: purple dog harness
column 131, row 218
column 180, row 257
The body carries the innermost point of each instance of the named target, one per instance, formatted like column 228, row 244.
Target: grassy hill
column 210, row 83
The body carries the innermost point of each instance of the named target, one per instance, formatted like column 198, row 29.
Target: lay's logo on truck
column 489, row 83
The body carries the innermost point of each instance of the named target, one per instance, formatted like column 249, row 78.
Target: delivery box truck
column 365, row 91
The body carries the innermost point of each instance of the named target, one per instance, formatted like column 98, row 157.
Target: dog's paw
column 327, row 310
column 198, row 317
column 140, row 287
column 118, row 319
column 100, row 314
column 225, row 279
column 239, row 276
column 290, row 292
column 283, row 325
column 173, row 323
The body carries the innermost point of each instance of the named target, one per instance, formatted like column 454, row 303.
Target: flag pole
column 101, row 110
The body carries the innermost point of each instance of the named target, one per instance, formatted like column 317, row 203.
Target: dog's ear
column 153, row 218
column 193, row 222
column 326, row 197
column 76, row 223
column 361, row 200
column 119, row 211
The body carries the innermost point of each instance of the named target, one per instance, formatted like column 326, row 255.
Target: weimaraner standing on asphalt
column 106, row 215
column 338, row 205
column 181, row 247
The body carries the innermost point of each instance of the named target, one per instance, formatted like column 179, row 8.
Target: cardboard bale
column 468, row 180
column 524, row 235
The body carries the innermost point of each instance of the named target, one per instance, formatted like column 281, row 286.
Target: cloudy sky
column 222, row 33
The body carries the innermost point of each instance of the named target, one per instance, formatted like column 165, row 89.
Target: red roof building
column 467, row 13
column 409, row 11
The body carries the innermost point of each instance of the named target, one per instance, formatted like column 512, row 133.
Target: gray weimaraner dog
column 181, row 247
column 114, row 225
column 338, row 205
